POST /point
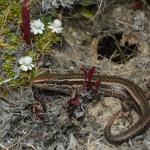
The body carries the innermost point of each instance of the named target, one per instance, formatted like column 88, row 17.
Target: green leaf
column 87, row 13
column 87, row 2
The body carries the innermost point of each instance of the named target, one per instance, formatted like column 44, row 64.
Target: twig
column 98, row 11
column 5, row 16
column 5, row 100
column 13, row 145
column 3, row 147
column 5, row 81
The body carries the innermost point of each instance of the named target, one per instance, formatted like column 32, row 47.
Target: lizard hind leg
column 109, row 125
column 126, row 111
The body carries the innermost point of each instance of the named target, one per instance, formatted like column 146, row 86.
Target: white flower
column 26, row 63
column 37, row 27
column 56, row 26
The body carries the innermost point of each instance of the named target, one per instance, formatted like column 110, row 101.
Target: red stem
column 26, row 23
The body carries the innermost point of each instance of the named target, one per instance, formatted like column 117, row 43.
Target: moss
column 11, row 10
column 24, row 78
column 4, row 4
column 10, row 15
column 7, row 66
column 13, row 42
column 10, row 21
column 45, row 41
column 32, row 54
column 1, row 80
column 3, row 44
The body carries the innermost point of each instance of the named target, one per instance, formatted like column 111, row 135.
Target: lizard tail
column 138, row 128
column 108, row 134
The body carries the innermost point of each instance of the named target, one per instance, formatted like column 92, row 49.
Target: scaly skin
column 111, row 86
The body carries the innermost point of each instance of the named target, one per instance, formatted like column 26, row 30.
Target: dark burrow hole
column 109, row 47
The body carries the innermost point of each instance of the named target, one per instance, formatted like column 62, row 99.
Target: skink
column 110, row 86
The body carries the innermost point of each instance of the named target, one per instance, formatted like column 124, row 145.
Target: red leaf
column 88, row 84
column 26, row 23
column 97, row 84
column 82, row 69
column 74, row 101
column 136, row 5
column 90, row 73
column 88, row 77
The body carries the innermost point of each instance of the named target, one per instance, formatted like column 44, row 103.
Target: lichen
column 51, row 4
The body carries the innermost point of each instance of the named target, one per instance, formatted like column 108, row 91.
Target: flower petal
column 37, row 27
column 40, row 31
column 32, row 65
column 29, row 67
column 24, row 68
